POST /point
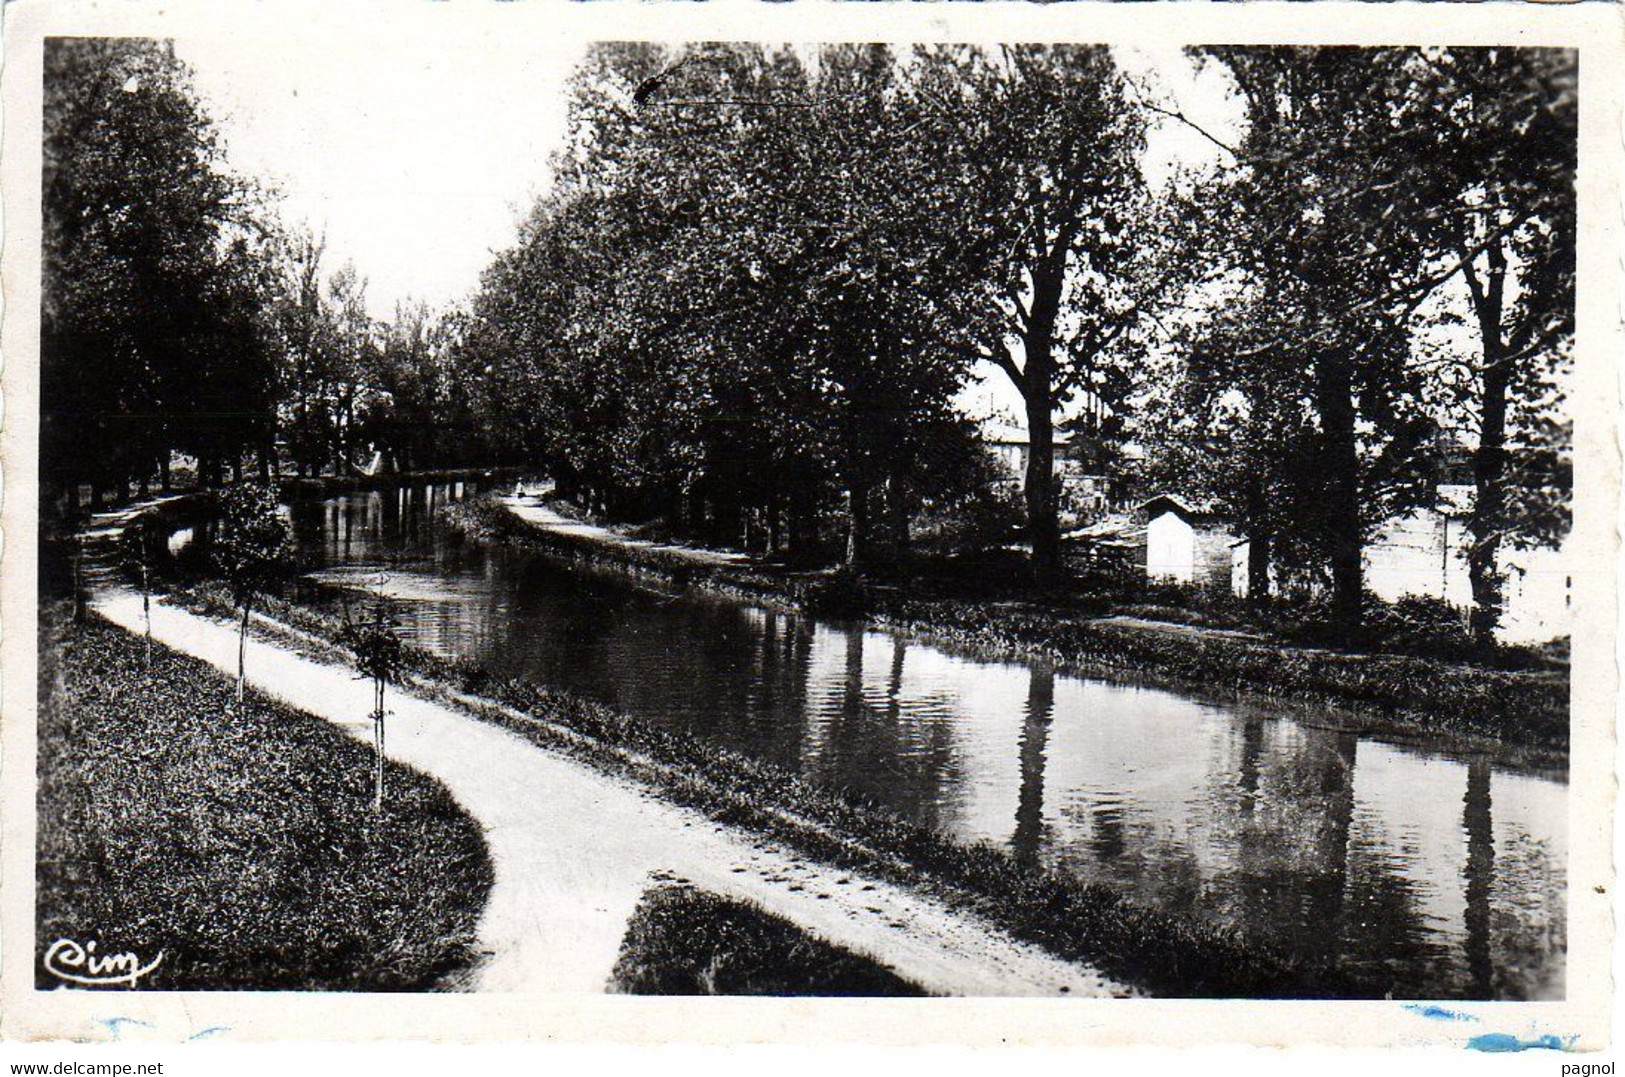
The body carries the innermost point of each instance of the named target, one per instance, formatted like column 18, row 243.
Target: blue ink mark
column 1501, row 1041
column 1439, row 1013
column 213, row 1030
column 115, row 1025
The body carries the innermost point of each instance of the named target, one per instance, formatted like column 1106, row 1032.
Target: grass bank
column 1076, row 920
column 687, row 941
column 1524, row 707
column 238, row 840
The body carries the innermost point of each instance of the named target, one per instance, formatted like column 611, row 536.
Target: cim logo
column 77, row 963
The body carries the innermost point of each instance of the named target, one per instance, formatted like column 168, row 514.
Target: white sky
column 418, row 156
column 416, row 159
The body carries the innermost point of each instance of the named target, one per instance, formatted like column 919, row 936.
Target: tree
column 1498, row 134
column 410, row 415
column 724, row 312
column 332, row 375
column 149, row 335
column 1040, row 148
column 300, row 320
column 1231, row 425
column 351, row 350
column 252, row 552
column 378, row 656
column 1370, row 183
column 1330, row 274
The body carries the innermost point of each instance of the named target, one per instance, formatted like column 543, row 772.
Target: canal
column 1435, row 866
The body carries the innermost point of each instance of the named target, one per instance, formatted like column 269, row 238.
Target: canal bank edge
column 1381, row 692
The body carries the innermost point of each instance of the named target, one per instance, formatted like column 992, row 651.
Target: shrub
column 687, row 941
column 1421, row 625
column 988, row 515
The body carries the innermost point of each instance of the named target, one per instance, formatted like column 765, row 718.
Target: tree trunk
column 1043, row 521
column 1489, row 505
column 146, row 609
column 1489, row 459
column 378, row 740
column 242, row 651
column 163, row 471
column 801, row 537
column 775, row 527
column 1341, row 489
column 78, row 579
column 1037, row 385
column 858, row 552
column 897, row 536
column 1258, row 569
column 726, row 519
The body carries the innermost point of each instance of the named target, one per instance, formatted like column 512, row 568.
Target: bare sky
column 416, row 159
column 417, row 155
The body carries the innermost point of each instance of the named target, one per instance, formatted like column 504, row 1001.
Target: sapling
column 78, row 578
column 378, row 656
column 253, row 551
column 138, row 558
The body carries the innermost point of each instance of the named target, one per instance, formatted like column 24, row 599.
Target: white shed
column 1184, row 544
column 1170, row 547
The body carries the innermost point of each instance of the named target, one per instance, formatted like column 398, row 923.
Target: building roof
column 1003, row 433
column 1189, row 509
column 1116, row 530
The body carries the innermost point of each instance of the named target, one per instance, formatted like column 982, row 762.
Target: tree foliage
column 1374, row 191
column 725, row 310
column 1037, row 152
column 152, row 336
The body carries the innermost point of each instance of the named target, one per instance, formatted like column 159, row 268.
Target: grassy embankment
column 238, row 840
column 1076, row 920
column 686, row 941
column 1525, row 707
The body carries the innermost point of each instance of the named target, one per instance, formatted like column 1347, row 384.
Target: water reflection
column 1442, row 871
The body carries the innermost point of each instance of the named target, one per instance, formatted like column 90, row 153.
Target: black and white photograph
column 814, row 517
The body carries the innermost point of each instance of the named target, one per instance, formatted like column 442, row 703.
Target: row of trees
column 180, row 316
column 152, row 333
column 762, row 274
column 761, row 277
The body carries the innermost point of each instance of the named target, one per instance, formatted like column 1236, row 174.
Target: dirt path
column 575, row 849
column 533, row 512
column 528, row 509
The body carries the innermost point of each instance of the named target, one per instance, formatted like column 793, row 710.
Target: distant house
column 1011, row 446
column 1424, row 552
column 1084, row 495
column 1186, row 543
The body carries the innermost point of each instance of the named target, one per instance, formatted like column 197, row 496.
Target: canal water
column 1435, row 866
